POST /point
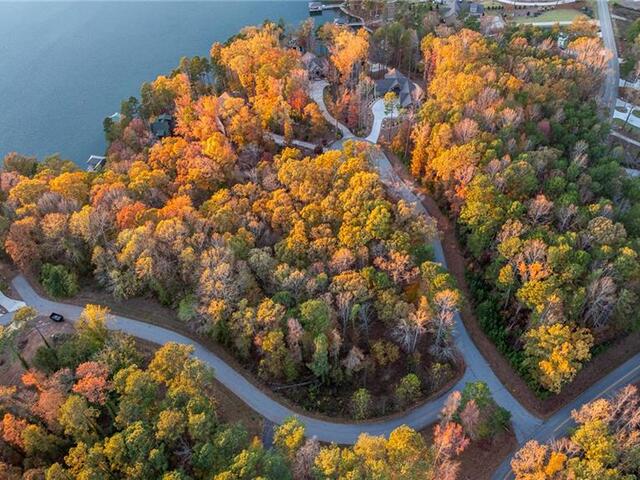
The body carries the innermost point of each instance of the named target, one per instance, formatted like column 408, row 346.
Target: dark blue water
column 66, row 66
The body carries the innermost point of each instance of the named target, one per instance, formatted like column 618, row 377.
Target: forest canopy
column 302, row 265
column 92, row 406
column 509, row 140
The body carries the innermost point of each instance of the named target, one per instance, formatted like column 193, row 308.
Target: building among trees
column 409, row 93
column 316, row 67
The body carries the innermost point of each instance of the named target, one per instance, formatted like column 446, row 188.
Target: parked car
column 56, row 317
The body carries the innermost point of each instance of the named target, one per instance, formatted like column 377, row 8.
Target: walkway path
column 625, row 138
column 316, row 92
column 279, row 140
column 622, row 112
column 379, row 115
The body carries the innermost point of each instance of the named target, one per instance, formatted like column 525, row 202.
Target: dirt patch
column 457, row 263
column 480, row 460
column 28, row 342
column 482, row 457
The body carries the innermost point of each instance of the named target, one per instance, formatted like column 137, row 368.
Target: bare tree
column 295, row 332
column 451, row 405
column 410, row 328
column 539, row 209
column 470, row 418
column 302, row 468
column 600, row 302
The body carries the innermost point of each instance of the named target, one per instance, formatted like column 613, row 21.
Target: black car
column 56, row 317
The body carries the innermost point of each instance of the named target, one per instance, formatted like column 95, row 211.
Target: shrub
column 361, row 404
column 187, row 308
column 46, row 360
column 385, row 352
column 408, row 390
column 58, row 281
column 439, row 373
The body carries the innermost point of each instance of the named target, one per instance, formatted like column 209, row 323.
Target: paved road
column 478, row 368
column 610, row 89
column 560, row 423
column 273, row 411
column 418, row 418
column 9, row 304
column 526, row 426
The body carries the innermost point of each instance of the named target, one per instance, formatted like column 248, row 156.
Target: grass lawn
column 556, row 15
column 491, row 3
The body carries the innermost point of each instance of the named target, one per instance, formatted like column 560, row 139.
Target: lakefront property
column 393, row 240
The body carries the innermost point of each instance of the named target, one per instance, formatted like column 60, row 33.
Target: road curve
column 325, row 430
column 478, row 369
column 526, row 426
column 558, row 425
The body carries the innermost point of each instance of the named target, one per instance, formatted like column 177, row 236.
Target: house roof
column 162, row 125
column 95, row 162
column 408, row 92
column 492, row 24
column 476, row 8
column 312, row 61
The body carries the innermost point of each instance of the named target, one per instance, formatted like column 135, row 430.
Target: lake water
column 66, row 66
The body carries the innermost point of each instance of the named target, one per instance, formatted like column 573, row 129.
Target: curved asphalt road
column 328, row 431
column 324, row 430
column 478, row 368
column 527, row 427
column 559, row 424
column 525, row 424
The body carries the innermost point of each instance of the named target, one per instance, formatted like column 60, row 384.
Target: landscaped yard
column 557, row 15
column 492, row 4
